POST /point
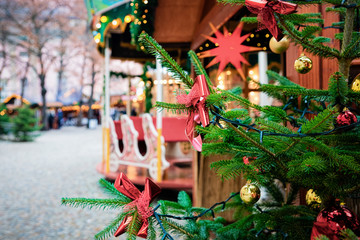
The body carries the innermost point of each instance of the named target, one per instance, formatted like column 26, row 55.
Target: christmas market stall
column 272, row 106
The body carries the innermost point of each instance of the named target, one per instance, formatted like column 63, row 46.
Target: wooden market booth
column 180, row 26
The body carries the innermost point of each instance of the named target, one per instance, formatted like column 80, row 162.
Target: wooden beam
column 218, row 15
column 311, row 79
column 329, row 66
column 176, row 21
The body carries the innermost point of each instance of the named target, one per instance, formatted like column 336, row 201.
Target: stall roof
column 177, row 25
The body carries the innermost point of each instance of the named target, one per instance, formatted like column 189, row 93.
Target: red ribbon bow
column 265, row 11
column 196, row 98
column 141, row 201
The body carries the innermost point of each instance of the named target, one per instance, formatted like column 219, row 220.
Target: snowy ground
column 35, row 175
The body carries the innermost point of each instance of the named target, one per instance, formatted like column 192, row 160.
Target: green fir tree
column 282, row 144
column 4, row 120
column 24, row 124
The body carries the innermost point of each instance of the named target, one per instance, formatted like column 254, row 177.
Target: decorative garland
column 144, row 16
column 238, row 122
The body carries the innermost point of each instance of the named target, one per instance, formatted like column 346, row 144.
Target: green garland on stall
column 149, row 84
column 144, row 15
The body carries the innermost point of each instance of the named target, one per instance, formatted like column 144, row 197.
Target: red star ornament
column 229, row 49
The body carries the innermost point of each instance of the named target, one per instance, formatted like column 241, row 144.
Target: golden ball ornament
column 250, row 193
column 279, row 47
column 148, row 75
column 312, row 199
column 303, row 64
column 355, row 85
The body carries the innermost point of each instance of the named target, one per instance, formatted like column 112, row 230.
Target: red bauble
column 346, row 118
column 332, row 220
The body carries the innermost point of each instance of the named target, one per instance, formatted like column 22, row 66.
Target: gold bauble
column 250, row 193
column 312, row 199
column 148, row 74
column 303, row 64
column 355, row 86
column 279, row 47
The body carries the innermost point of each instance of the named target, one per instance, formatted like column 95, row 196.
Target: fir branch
column 94, row 203
column 151, row 229
column 179, row 108
column 321, row 39
column 229, row 169
column 109, row 188
column 153, row 47
column 243, row 101
column 349, row 50
column 274, row 126
column 243, row 134
column 317, row 49
column 184, row 200
column 249, row 20
column 134, row 226
column 170, row 204
column 177, row 227
column 319, row 123
column 199, row 69
column 294, row 90
column 281, row 79
column 325, row 149
column 348, row 234
column 111, row 228
column 232, row 2
column 338, row 89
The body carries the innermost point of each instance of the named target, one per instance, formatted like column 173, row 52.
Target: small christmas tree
column 24, row 123
column 4, row 120
column 310, row 141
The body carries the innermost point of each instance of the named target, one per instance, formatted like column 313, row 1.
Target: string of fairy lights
column 140, row 18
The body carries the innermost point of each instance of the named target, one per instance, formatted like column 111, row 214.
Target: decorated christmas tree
column 311, row 141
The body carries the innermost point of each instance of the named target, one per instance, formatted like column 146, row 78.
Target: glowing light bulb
column 128, row 18
column 103, row 19
column 98, row 25
column 114, row 22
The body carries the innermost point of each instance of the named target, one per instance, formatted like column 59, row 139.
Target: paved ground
column 33, row 178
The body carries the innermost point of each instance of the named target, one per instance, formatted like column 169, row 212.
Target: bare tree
column 32, row 27
column 95, row 65
column 3, row 54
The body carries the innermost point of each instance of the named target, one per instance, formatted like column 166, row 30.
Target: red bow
column 199, row 113
column 142, row 201
column 265, row 11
